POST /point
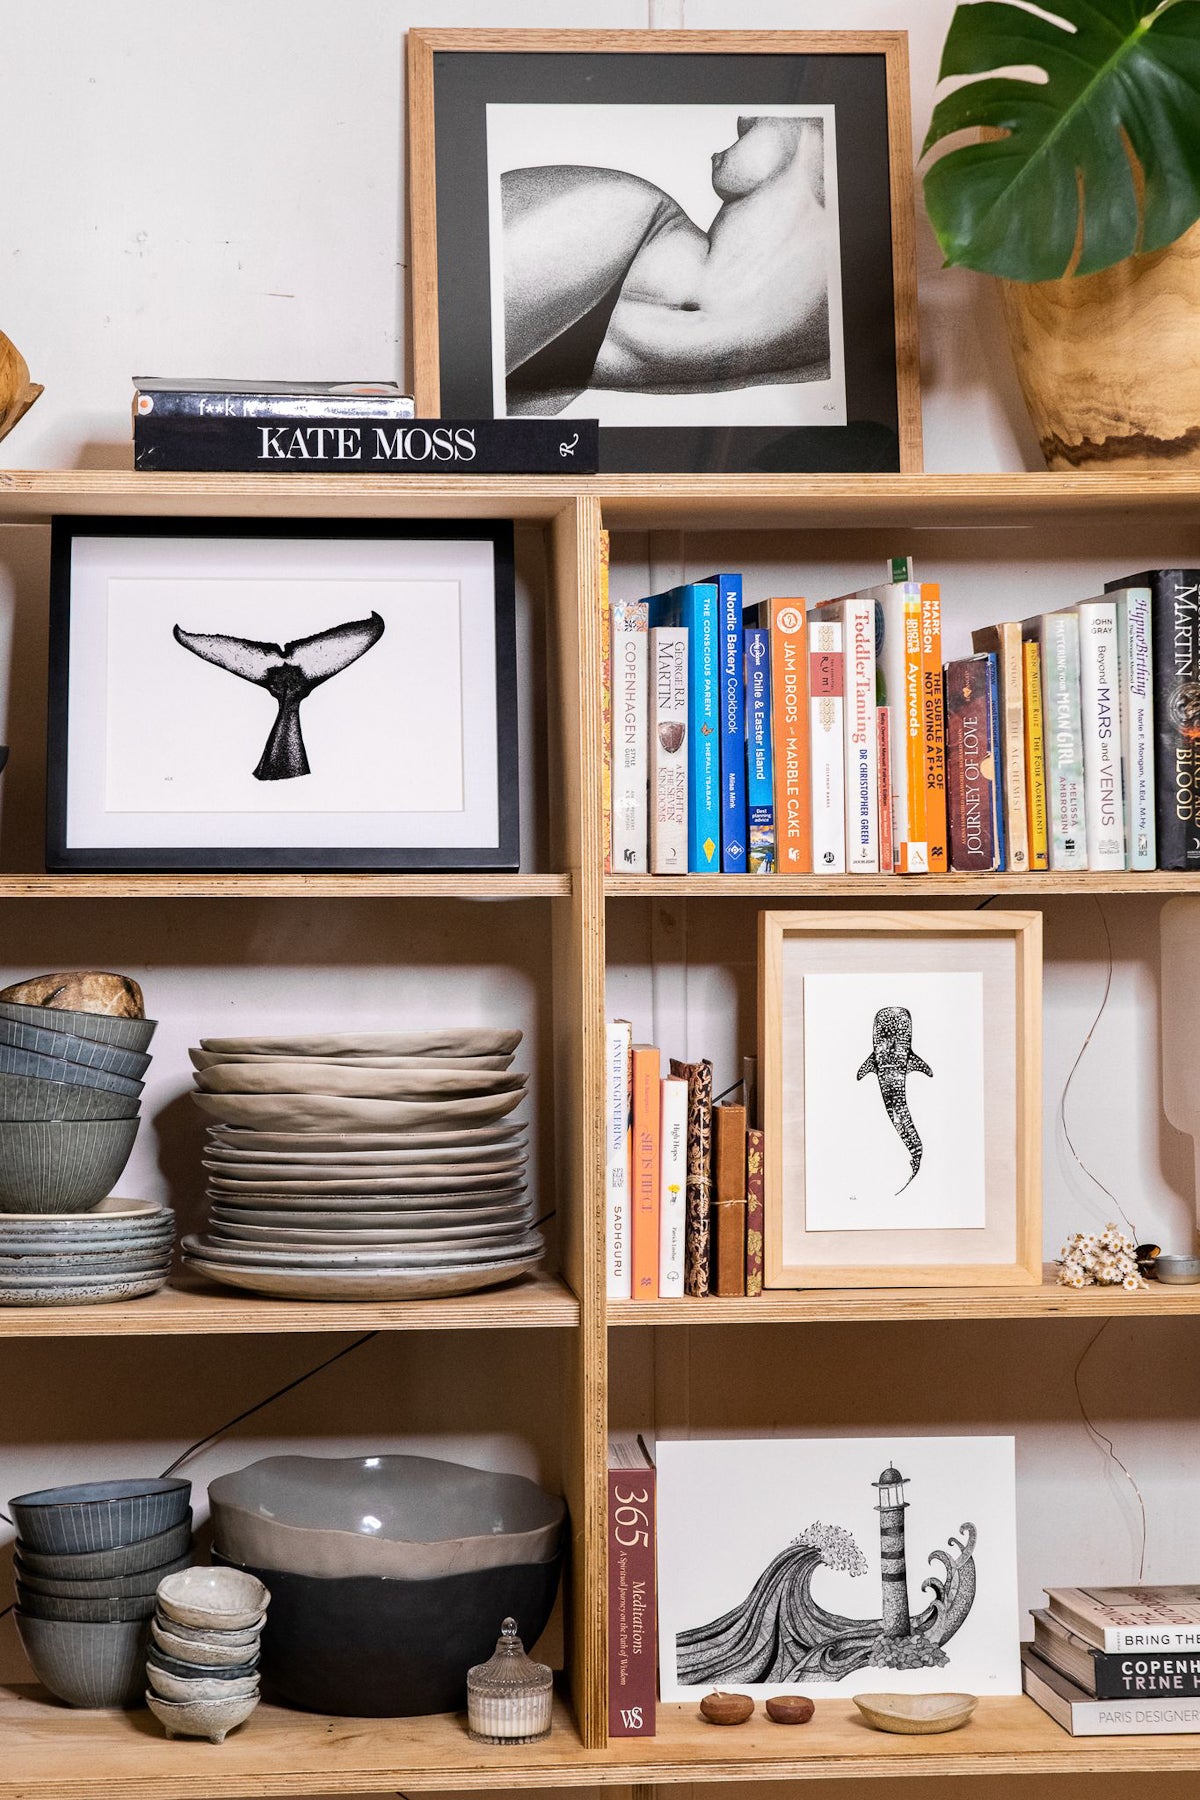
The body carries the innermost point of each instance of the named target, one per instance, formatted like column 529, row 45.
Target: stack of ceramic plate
column 380, row 1165
column 118, row 1250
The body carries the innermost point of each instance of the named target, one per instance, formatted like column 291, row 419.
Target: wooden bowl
column 17, row 392
column 916, row 1715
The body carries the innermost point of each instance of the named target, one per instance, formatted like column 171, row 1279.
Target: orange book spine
column 605, row 703
column 789, row 727
column 647, row 1101
column 933, row 719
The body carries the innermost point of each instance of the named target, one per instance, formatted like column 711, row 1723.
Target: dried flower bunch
column 1104, row 1259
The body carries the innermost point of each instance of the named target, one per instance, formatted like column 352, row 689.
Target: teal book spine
column 695, row 607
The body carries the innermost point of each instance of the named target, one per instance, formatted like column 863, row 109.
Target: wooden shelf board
column 189, row 1307
column 635, row 502
column 451, row 885
column 55, row 1753
column 827, row 1306
column 900, row 888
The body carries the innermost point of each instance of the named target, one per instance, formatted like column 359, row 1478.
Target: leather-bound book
column 729, row 1202
column 754, row 1212
column 699, row 1174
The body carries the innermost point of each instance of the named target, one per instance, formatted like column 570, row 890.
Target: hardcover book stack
column 792, row 738
column 1113, row 1661
column 684, row 1178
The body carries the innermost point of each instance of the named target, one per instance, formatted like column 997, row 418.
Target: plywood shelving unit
column 50, row 1751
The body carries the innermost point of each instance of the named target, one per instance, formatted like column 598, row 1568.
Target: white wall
column 218, row 189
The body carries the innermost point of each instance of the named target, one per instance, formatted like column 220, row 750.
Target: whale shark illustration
column 891, row 1061
column 289, row 672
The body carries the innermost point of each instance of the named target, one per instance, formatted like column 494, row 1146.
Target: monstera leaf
column 1103, row 155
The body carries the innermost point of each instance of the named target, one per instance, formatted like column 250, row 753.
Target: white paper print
column 893, row 1102
column 829, row 1566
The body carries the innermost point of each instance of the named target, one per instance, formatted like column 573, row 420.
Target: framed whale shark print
column 900, row 1065
column 282, row 695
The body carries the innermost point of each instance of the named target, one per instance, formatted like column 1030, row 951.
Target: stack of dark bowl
column 89, row 1559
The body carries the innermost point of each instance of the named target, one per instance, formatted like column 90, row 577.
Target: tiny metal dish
column 1176, row 1271
column 916, row 1715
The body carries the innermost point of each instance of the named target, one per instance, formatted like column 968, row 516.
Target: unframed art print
column 316, row 696
column 701, row 239
column 839, row 1565
column 900, row 1063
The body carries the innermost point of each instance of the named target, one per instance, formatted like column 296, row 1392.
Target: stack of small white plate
column 368, row 1165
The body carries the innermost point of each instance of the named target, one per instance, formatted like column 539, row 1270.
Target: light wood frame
column 1025, row 932
column 423, row 45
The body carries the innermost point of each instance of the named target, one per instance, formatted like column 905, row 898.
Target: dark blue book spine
column 695, row 607
column 993, row 694
column 733, row 725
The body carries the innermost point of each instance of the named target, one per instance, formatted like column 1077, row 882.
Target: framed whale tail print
column 900, row 1063
column 703, row 240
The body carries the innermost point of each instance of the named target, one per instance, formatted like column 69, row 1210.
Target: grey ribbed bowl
column 91, row 1565
column 101, row 1587
column 62, row 1165
column 129, row 1034
column 65, row 1047
column 27, row 1097
column 87, row 1665
column 57, row 1068
column 84, row 1612
column 100, row 1515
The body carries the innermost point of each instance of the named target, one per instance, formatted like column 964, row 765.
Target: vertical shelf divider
column 576, row 830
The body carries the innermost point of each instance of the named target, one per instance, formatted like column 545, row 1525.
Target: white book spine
column 631, row 719
column 618, row 1121
column 1100, row 697
column 827, row 748
column 672, row 1188
column 668, row 751
column 1058, row 635
column 858, row 729
column 1137, row 725
column 1151, row 1640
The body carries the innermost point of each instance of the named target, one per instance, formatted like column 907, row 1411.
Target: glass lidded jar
column 509, row 1697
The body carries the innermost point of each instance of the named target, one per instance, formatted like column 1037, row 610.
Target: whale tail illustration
column 289, row 672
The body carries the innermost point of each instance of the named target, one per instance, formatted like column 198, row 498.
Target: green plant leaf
column 1122, row 80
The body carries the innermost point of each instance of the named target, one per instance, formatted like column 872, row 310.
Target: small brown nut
column 726, row 1709
column 790, row 1709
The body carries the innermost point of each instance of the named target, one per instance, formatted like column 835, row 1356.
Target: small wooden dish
column 17, row 392
column 916, row 1715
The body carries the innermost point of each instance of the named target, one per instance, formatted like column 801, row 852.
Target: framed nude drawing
column 701, row 239
column 900, row 1060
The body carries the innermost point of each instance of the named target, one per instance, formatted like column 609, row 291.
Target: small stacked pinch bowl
column 89, row 1559
column 202, row 1663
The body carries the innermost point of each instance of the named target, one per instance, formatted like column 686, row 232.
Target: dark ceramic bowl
column 99, row 1515
column 87, row 1665
column 84, row 1612
column 62, row 1165
column 127, row 1034
column 29, row 1098
column 70, row 1074
column 138, row 1586
column 64, row 1046
column 99, row 1565
column 176, row 1665
column 367, row 1646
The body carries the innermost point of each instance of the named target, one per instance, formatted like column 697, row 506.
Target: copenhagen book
column 1083, row 1715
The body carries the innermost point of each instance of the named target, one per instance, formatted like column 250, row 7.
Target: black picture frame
column 454, row 76
column 64, row 856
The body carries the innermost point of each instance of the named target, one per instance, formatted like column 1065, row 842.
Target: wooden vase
column 1110, row 364
column 17, row 392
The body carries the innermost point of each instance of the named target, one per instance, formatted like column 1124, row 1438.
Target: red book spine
column 644, row 1164
column 632, row 1649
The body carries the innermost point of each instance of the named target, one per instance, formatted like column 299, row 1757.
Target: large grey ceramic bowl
column 128, row 1034
column 64, row 1046
column 87, row 1665
column 93, row 1565
column 98, row 1587
column 62, row 1165
column 409, row 1517
column 99, row 1515
column 367, row 1647
column 29, row 1097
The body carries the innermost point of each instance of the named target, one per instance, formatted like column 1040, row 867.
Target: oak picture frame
column 1008, row 945
column 435, row 286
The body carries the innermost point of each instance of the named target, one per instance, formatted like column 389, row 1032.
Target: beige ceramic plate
column 375, row 1043
column 916, row 1715
column 112, row 1208
column 255, row 1255
column 369, row 1222
column 263, row 1201
column 413, row 1284
column 336, row 1112
column 300, row 1077
column 412, row 1146
column 427, row 1167
column 207, row 1059
column 361, row 1181
column 239, row 1237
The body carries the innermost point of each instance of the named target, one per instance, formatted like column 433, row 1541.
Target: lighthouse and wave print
column 837, row 1556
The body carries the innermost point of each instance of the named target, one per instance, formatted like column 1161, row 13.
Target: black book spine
column 1175, row 633
column 1135, row 1676
column 374, row 446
